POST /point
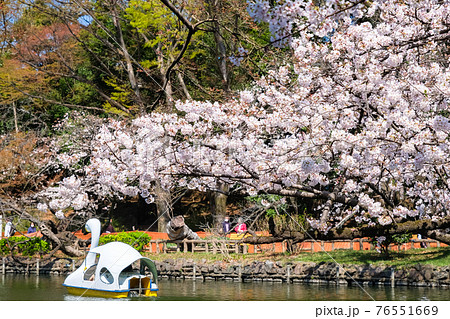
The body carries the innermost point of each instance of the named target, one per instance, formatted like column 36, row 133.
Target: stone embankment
column 267, row 271
column 55, row 266
column 306, row 272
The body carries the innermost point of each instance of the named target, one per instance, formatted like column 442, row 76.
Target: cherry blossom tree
column 357, row 122
column 31, row 163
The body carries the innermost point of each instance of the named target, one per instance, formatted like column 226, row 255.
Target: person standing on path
column 226, row 225
column 9, row 228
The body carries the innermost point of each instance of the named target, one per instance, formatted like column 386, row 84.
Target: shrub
column 135, row 239
column 24, row 245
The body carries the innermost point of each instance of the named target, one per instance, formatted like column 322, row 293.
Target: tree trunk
column 218, row 204
column 221, row 50
column 16, row 126
column 183, row 86
column 222, row 57
column 427, row 227
column 439, row 235
column 163, row 206
column 64, row 241
column 168, row 90
column 129, row 64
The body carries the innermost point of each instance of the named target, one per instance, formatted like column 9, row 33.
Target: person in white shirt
column 8, row 228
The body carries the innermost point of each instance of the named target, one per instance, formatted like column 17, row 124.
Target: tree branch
column 427, row 227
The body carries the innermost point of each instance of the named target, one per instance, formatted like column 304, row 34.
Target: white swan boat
column 114, row 270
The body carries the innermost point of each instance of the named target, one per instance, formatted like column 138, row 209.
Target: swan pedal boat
column 113, row 270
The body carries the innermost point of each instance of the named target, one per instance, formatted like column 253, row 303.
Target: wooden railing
column 207, row 246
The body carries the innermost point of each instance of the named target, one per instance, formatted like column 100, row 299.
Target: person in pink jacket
column 241, row 226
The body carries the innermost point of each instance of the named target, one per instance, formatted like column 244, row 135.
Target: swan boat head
column 114, row 270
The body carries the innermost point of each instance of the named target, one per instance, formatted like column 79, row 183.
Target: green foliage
column 87, row 60
column 401, row 238
column 274, row 203
column 285, row 222
column 162, row 26
column 283, row 215
column 135, row 239
column 119, row 93
column 24, row 245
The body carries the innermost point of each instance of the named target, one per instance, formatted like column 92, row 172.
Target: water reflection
column 29, row 288
column 68, row 297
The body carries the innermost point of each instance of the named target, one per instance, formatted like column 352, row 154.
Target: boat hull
column 104, row 293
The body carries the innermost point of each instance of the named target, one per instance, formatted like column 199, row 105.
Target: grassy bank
column 432, row 256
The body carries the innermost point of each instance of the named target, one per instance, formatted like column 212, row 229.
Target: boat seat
column 126, row 274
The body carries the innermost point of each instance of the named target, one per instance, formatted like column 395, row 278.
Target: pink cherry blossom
column 360, row 109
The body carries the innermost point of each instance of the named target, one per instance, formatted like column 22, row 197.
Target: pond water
column 49, row 288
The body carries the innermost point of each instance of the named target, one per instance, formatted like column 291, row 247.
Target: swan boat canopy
column 114, row 270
